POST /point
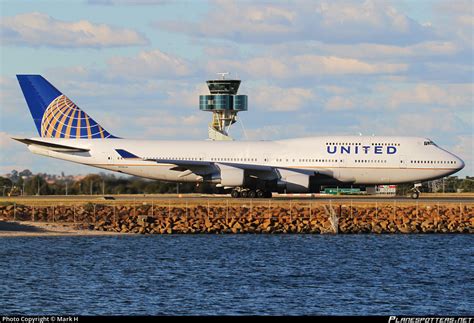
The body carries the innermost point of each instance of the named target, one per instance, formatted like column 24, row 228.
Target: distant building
column 386, row 189
column 79, row 177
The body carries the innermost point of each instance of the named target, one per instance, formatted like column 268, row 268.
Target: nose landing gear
column 414, row 195
column 415, row 192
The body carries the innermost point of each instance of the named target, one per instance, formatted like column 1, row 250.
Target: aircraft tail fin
column 54, row 114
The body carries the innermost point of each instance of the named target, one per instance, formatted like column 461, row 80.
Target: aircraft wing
column 262, row 172
column 181, row 163
column 188, row 166
column 207, row 167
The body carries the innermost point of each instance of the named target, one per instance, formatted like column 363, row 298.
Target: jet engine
column 293, row 182
column 231, row 176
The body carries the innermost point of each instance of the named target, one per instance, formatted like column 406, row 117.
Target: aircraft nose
column 460, row 163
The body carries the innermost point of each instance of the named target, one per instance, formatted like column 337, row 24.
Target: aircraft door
column 342, row 169
column 403, row 161
column 267, row 158
column 345, row 173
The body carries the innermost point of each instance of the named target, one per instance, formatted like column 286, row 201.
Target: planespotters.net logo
column 395, row 319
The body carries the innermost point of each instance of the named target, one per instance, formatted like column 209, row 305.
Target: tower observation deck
column 224, row 103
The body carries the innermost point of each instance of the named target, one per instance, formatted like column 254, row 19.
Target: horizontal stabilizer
column 51, row 146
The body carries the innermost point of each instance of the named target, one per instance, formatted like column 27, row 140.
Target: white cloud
column 193, row 120
column 38, row 29
column 334, row 89
column 6, row 141
column 448, row 95
column 464, row 148
column 149, row 63
column 457, row 20
column 128, row 2
column 275, row 132
column 173, row 132
column 216, row 49
column 423, row 124
column 185, row 95
column 256, row 67
column 10, row 98
column 336, row 103
column 272, row 98
column 371, row 51
column 165, row 119
column 328, row 21
column 309, row 65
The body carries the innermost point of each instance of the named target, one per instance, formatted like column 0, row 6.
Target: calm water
column 238, row 274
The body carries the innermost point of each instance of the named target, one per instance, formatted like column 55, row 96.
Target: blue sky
column 309, row 67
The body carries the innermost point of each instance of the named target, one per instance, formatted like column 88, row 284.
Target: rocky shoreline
column 297, row 218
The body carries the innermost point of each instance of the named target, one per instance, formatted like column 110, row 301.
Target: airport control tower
column 224, row 103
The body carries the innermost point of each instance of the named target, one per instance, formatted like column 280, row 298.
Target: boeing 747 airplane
column 247, row 168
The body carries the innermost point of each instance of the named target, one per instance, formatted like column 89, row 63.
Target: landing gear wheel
column 235, row 194
column 260, row 194
column 244, row 194
column 415, row 195
column 251, row 194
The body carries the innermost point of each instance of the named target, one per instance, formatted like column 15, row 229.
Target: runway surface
column 194, row 198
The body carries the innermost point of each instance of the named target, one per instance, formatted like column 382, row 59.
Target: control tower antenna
column 223, row 74
column 224, row 103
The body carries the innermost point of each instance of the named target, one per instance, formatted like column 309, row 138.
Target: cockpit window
column 429, row 142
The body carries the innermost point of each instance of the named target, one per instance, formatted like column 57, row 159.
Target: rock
column 383, row 225
column 377, row 229
column 404, row 229
column 266, row 224
column 145, row 219
column 392, row 227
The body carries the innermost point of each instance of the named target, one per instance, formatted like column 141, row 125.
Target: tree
column 33, row 183
column 467, row 184
column 14, row 176
column 5, row 185
column 25, row 173
column 91, row 184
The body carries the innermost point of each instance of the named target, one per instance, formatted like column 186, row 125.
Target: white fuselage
column 348, row 159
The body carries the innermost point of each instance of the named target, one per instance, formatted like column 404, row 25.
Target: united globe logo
column 64, row 119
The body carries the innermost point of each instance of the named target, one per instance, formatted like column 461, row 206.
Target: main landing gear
column 415, row 192
column 250, row 193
